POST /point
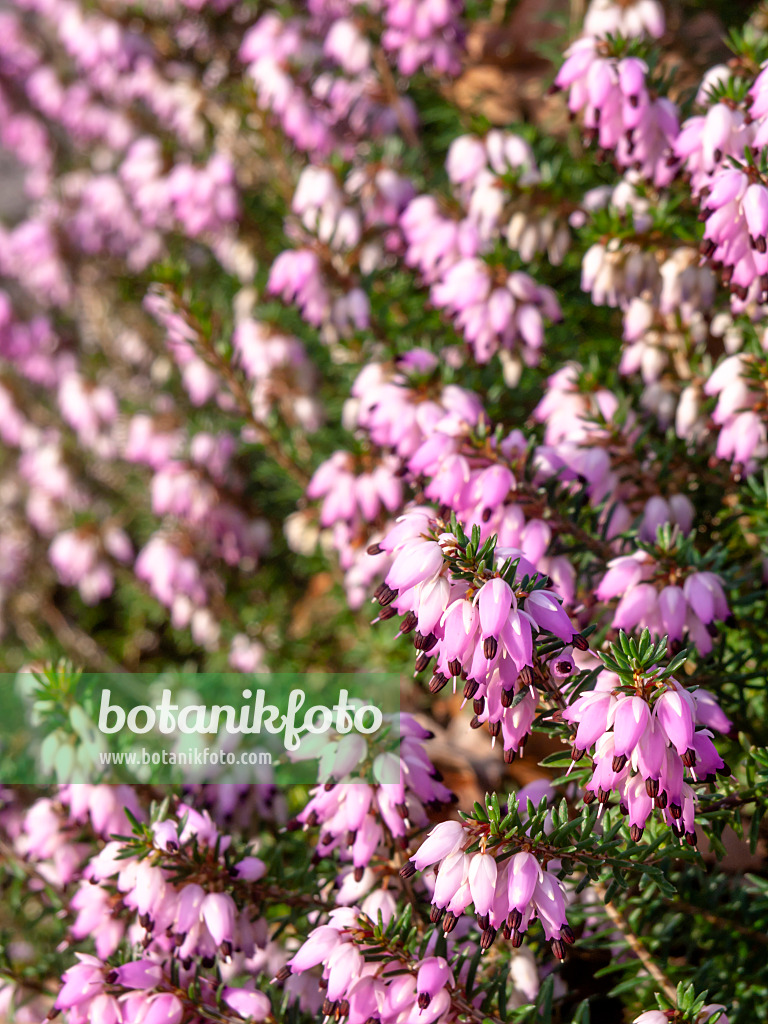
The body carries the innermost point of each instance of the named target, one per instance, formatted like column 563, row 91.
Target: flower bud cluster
column 172, row 910
column 617, row 272
column 732, row 192
column 736, row 231
column 709, row 1012
column 47, row 833
column 340, row 231
column 359, row 219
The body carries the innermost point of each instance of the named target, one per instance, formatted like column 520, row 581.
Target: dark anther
column 526, row 675
column 421, row 662
column 408, row 624
column 437, row 682
column 707, row 247
column 449, row 923
column 424, row 643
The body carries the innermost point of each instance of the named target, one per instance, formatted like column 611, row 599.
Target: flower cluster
column 169, row 893
column 738, row 384
column 507, row 892
column 492, row 307
column 240, row 233
column 325, row 97
column 646, row 735
column 357, row 990
column 658, row 594
column 620, row 111
column 360, row 818
column 475, row 617
column 500, row 187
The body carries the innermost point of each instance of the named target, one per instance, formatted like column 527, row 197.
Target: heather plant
column 316, row 357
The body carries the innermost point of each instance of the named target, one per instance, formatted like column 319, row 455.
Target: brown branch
column 394, row 98
column 636, row 946
column 79, row 645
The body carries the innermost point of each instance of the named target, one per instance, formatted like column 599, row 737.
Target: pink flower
column 218, row 910
column 247, row 1003
column 524, row 875
column 482, row 881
